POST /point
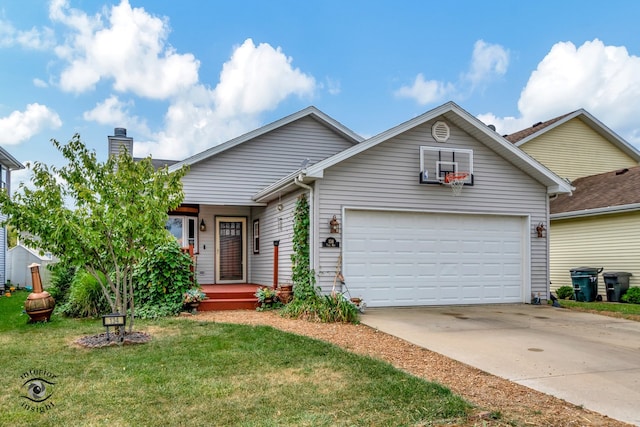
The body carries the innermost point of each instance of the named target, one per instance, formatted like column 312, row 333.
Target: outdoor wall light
column 203, row 226
column 115, row 320
column 334, row 225
column 540, row 229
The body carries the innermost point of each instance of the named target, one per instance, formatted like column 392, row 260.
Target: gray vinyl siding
column 232, row 177
column 386, row 176
column 270, row 230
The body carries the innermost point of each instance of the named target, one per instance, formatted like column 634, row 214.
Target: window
column 256, row 236
column 184, row 229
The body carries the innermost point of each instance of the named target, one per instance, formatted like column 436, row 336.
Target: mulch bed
column 101, row 340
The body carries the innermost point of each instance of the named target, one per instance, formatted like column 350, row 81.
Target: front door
column 231, row 250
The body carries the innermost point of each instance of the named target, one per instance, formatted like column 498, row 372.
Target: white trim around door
column 231, row 249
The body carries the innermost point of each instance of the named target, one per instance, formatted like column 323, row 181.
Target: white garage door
column 408, row 259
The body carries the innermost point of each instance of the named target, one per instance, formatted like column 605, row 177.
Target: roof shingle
column 615, row 188
column 524, row 133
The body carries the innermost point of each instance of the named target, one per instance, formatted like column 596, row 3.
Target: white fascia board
column 317, row 170
column 597, row 211
column 9, row 161
column 279, row 186
column 555, row 184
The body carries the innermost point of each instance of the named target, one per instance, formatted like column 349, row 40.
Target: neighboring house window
column 184, row 229
column 256, row 236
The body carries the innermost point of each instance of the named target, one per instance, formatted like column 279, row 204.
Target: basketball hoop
column 456, row 181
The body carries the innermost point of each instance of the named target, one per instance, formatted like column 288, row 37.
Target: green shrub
column 565, row 292
column 323, row 308
column 632, row 296
column 61, row 278
column 160, row 280
column 337, row 308
column 85, row 298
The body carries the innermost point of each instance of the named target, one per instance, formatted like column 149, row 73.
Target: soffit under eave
column 9, row 161
column 275, row 193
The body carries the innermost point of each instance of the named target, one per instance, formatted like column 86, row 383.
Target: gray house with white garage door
column 437, row 210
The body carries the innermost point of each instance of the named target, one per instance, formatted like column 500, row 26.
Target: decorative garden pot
column 193, row 306
column 285, row 293
column 39, row 304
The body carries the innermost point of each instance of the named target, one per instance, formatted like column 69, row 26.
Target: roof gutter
column 597, row 211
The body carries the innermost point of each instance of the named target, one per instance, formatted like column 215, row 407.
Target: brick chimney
column 119, row 142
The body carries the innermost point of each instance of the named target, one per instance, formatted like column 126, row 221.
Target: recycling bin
column 617, row 284
column 585, row 283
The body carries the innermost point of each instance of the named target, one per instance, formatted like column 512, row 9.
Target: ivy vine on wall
column 302, row 276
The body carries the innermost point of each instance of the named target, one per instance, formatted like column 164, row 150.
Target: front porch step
column 228, row 304
column 229, row 297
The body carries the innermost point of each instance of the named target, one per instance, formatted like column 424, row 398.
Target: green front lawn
column 197, row 374
column 624, row 310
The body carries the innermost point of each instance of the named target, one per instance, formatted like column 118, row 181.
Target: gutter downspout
column 298, row 181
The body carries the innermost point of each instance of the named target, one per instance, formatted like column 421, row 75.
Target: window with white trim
column 184, row 229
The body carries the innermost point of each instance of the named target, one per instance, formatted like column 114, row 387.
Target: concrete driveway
column 585, row 359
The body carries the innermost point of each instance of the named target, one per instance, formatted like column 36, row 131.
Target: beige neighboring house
column 599, row 224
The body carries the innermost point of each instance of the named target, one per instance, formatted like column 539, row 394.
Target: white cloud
column 333, row 86
column 256, row 79
column 116, row 113
column 604, row 80
column 36, row 39
column 487, row 62
column 426, row 91
column 40, row 83
column 129, row 48
column 22, row 125
column 110, row 111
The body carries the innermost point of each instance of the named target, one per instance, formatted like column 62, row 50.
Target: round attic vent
column 440, row 131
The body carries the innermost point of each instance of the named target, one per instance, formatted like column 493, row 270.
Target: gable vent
column 440, row 131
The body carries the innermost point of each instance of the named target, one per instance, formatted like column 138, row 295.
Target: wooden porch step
column 229, row 297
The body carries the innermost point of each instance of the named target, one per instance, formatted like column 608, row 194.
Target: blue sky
column 183, row 76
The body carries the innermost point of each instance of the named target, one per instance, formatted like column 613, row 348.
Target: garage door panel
column 403, row 259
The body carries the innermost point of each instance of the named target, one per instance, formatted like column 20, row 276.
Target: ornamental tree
column 98, row 216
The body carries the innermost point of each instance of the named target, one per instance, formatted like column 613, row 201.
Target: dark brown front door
column 231, row 249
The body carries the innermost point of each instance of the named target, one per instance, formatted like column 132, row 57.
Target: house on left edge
column 8, row 163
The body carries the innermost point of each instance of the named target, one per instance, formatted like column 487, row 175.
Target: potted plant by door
column 192, row 298
column 266, row 296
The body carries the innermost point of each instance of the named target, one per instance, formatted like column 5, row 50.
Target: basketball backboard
column 437, row 162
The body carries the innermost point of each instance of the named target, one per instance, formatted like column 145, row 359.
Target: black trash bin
column 585, row 283
column 617, row 284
